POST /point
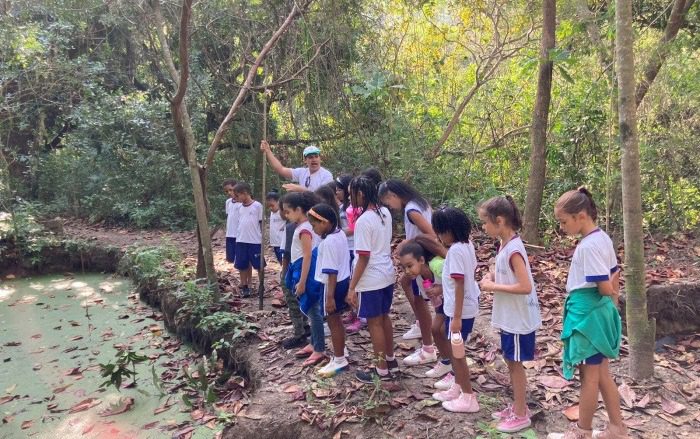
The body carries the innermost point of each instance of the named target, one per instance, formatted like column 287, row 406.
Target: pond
column 54, row 333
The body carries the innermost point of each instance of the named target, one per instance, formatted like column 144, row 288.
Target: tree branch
column 184, row 58
column 243, row 92
column 296, row 74
column 653, row 66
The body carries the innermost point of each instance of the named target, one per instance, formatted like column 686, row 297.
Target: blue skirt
column 314, row 289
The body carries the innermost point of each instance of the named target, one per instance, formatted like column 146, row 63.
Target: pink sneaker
column 513, row 423
column 507, row 412
column 446, row 382
column 449, row 394
column 612, row 432
column 349, row 318
column 354, row 326
column 464, row 403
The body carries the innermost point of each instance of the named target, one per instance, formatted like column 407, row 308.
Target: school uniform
column 231, row 228
column 517, row 316
column 334, row 258
column 375, row 289
column 277, row 232
column 592, row 329
column 345, row 225
column 249, row 239
column 460, row 263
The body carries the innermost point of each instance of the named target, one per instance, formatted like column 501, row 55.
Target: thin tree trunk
column 538, row 132
column 653, row 66
column 640, row 329
column 185, row 136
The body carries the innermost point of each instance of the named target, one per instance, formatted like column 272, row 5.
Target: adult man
column 309, row 178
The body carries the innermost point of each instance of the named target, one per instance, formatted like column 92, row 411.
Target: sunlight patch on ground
column 6, row 292
column 37, row 286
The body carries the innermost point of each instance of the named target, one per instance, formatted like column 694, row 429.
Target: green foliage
column 197, row 381
column 224, row 321
column 120, row 369
column 153, row 263
column 197, row 300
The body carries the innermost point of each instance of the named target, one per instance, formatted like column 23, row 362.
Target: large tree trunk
column 640, row 329
column 538, row 132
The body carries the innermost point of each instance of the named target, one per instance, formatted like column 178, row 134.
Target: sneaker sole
column 420, row 363
column 514, row 430
column 459, row 411
column 412, row 337
column 334, row 373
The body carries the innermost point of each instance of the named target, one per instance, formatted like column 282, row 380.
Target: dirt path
column 287, row 393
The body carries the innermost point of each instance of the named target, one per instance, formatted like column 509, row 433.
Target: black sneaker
column 294, row 342
column 245, row 292
column 369, row 376
column 393, row 366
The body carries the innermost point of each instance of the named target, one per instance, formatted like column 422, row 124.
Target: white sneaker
column 346, row 352
column 326, row 330
column 420, row 356
column 439, row 370
column 412, row 333
column 445, row 383
column 333, row 367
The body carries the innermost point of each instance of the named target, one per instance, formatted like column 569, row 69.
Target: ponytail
column 579, row 200
column 504, row 207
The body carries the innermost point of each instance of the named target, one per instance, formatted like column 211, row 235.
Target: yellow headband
column 317, row 216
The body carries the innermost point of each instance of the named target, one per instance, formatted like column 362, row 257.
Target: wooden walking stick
column 265, row 238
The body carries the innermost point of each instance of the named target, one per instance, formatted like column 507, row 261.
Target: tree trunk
column 538, row 131
column 640, row 329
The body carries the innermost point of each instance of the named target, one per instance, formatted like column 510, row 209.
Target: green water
column 51, row 325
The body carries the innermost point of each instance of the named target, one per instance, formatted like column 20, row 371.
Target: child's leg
column 588, row 402
column 376, row 327
column 317, row 338
column 462, row 375
column 388, row 336
column 438, row 330
column 295, row 314
column 420, row 308
column 337, row 334
column 611, row 396
column 519, row 382
column 405, row 282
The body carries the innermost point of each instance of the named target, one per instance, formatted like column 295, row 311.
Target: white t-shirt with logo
column 316, row 180
column 276, row 229
column 594, row 261
column 373, row 237
column 333, row 257
column 249, row 218
column 460, row 263
column 232, row 218
column 297, row 250
column 514, row 313
column 412, row 230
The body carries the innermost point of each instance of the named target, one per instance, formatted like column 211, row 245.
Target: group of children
column 335, row 248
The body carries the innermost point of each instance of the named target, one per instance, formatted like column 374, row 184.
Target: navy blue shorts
column 467, row 326
column 230, row 249
column 440, row 311
column 375, row 303
column 247, row 255
column 278, row 253
column 518, row 347
column 416, row 290
column 594, row 359
column 341, row 292
column 352, row 258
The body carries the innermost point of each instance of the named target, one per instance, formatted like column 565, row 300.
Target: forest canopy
column 86, row 129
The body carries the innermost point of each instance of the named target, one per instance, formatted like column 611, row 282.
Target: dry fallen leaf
column 553, row 381
column 123, row 405
column 671, row 407
column 27, row 424
column 627, row 395
column 84, row 405
column 571, row 413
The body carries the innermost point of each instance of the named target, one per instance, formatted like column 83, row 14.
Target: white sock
column 388, row 358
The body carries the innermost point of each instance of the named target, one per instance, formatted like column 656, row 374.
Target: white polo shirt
column 412, row 230
column 276, row 229
column 297, row 251
column 232, row 218
column 249, row 218
column 594, row 261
